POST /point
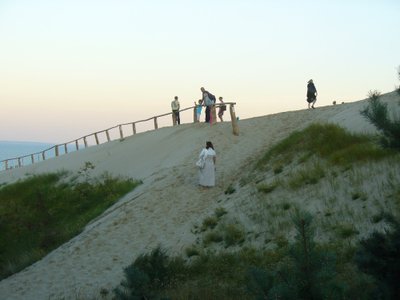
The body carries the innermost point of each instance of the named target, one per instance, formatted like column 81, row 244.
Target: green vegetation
column 306, row 176
column 230, row 190
column 192, row 251
column 379, row 256
column 346, row 230
column 219, row 212
column 301, row 269
column 212, row 237
column 328, row 141
column 233, row 235
column 266, row 188
column 42, row 212
column 377, row 113
column 209, row 223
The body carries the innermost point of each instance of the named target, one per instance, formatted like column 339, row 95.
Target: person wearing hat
column 311, row 93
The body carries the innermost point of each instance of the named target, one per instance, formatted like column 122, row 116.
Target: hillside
column 168, row 207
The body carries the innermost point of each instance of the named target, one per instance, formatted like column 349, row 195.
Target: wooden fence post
column 77, row 145
column 19, row 162
column 120, row 132
column 108, row 136
column 65, row 148
column 134, row 128
column 235, row 127
column 56, row 150
column 213, row 115
column 85, row 141
column 6, row 164
column 195, row 115
column 43, row 156
column 155, row 123
column 32, row 159
column 97, row 138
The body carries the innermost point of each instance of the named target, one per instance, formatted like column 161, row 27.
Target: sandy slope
column 163, row 209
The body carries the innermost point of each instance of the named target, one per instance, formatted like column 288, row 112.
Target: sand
column 163, row 210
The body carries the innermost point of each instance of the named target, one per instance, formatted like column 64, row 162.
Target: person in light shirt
column 207, row 172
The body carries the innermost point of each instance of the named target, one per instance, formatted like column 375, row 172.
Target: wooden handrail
column 20, row 159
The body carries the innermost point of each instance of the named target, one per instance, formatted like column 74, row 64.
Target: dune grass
column 328, row 141
column 42, row 212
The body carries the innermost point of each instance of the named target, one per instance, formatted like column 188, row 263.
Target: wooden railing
column 64, row 148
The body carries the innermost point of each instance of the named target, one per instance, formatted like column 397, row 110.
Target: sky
column 70, row 68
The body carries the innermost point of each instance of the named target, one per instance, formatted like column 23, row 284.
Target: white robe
column 207, row 174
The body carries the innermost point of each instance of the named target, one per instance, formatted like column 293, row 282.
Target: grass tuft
column 327, row 141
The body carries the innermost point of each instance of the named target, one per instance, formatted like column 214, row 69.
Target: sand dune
column 164, row 208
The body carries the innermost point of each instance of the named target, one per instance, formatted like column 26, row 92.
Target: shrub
column 212, row 237
column 192, row 251
column 149, row 275
column 308, row 273
column 266, row 188
column 233, row 235
column 41, row 212
column 230, row 190
column 209, row 223
column 377, row 114
column 379, row 256
column 219, row 212
column 346, row 230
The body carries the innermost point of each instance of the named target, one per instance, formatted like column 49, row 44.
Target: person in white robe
column 207, row 172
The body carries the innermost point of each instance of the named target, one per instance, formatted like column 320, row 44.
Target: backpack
column 212, row 97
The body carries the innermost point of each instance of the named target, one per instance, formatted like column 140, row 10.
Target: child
column 199, row 107
column 221, row 110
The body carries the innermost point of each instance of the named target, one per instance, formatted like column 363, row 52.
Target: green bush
column 42, row 212
column 230, row 190
column 327, row 141
column 209, row 223
column 377, row 114
column 192, row 251
column 212, row 237
column 266, row 188
column 219, row 212
column 307, row 272
column 233, row 235
column 379, row 256
column 149, row 275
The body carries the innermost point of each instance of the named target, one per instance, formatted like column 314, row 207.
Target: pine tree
column 377, row 114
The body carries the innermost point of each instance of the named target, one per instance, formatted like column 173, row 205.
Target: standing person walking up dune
column 175, row 106
column 207, row 158
column 311, row 93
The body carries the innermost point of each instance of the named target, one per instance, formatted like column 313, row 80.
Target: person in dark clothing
column 208, row 101
column 311, row 93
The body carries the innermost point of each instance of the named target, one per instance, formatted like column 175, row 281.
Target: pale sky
column 69, row 68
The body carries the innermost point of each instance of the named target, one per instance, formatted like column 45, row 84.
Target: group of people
column 208, row 100
column 207, row 157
